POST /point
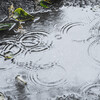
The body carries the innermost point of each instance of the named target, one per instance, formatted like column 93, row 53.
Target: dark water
column 57, row 55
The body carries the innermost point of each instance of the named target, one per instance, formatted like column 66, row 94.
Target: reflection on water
column 47, row 57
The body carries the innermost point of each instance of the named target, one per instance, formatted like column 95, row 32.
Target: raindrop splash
column 76, row 32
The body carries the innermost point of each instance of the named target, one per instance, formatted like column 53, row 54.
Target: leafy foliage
column 22, row 15
column 45, row 3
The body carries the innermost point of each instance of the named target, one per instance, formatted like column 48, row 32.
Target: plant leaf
column 48, row 1
column 22, row 15
column 8, row 55
column 5, row 26
column 44, row 4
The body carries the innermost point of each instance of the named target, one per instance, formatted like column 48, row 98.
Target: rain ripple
column 49, row 76
column 24, row 46
column 77, row 31
column 93, row 51
column 14, row 48
column 8, row 50
column 91, row 92
column 68, row 26
column 36, row 41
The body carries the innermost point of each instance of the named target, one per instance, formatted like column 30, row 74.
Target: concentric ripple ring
column 52, row 76
column 68, row 26
column 94, row 51
column 36, row 41
column 91, row 92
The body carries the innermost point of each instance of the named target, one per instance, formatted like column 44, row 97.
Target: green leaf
column 22, row 15
column 8, row 55
column 48, row 1
column 44, row 4
column 5, row 26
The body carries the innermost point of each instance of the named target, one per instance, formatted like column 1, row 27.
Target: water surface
column 57, row 55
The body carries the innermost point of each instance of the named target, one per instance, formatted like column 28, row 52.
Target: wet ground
column 57, row 55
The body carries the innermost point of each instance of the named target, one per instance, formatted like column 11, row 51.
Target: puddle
column 53, row 56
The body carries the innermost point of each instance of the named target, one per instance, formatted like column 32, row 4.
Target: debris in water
column 49, row 3
column 21, row 15
column 8, row 55
column 44, row 4
column 20, row 80
column 2, row 97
